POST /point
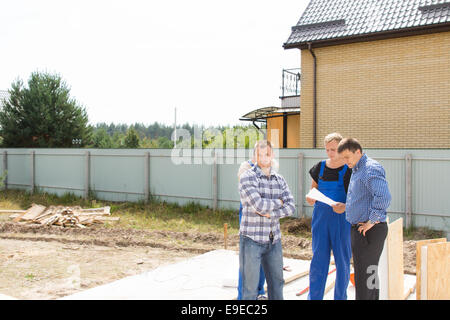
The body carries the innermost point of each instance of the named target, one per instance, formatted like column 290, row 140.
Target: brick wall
column 392, row 93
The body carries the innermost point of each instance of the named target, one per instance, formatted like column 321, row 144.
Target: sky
column 137, row 60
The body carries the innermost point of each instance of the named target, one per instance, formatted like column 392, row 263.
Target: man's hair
column 261, row 144
column 350, row 144
column 332, row 136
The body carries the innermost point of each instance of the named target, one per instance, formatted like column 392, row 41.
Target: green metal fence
column 419, row 179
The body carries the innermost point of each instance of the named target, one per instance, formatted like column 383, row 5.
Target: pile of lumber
column 62, row 216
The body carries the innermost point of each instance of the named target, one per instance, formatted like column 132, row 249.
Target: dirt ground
column 49, row 262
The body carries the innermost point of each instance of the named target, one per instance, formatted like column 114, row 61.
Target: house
column 282, row 123
column 375, row 70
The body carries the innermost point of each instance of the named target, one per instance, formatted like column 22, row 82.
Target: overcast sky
column 135, row 61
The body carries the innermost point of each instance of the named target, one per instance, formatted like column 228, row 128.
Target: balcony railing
column 290, row 82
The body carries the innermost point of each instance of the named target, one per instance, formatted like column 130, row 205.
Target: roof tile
column 367, row 16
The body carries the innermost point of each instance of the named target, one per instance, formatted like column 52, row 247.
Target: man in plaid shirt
column 265, row 198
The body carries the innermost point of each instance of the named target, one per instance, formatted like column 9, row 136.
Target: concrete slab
column 5, row 297
column 210, row 276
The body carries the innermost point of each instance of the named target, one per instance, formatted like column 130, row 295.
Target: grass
column 30, row 276
column 421, row 233
column 160, row 215
column 154, row 215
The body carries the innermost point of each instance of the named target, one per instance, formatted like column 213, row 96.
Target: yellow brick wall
column 392, row 93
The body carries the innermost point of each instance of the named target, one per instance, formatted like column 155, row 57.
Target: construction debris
column 63, row 216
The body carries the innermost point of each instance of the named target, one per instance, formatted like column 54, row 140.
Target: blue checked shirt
column 368, row 195
column 261, row 193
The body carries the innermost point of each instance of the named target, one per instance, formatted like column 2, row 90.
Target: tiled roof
column 325, row 20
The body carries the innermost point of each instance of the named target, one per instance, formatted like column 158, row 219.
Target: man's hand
column 339, row 207
column 311, row 201
column 266, row 215
column 365, row 226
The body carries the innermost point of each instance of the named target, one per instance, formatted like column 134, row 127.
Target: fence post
column 408, row 190
column 32, row 156
column 5, row 169
column 146, row 176
column 214, row 181
column 300, row 186
column 87, row 174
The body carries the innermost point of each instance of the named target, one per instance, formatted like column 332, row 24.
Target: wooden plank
column 424, row 272
column 408, row 293
column 87, row 221
column 296, row 276
column 50, row 210
column 31, row 213
column 86, row 214
column 383, row 270
column 438, row 267
column 395, row 260
column 292, row 278
column 12, row 211
column 95, row 211
column 329, row 287
column 419, row 245
column 103, row 219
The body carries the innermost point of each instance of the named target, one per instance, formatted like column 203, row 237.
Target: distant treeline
column 159, row 135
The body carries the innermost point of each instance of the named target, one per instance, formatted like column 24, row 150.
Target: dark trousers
column 366, row 252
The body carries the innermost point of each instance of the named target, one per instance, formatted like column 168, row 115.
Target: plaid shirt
column 261, row 193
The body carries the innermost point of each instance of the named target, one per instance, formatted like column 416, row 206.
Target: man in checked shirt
column 265, row 198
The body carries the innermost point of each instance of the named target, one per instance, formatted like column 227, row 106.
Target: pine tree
column 43, row 115
column 132, row 139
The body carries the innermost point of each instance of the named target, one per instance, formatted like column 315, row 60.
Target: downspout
column 285, row 130
column 314, row 96
column 259, row 129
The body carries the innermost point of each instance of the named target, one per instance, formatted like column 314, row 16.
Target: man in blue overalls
column 330, row 229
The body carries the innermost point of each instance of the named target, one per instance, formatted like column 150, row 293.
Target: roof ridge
column 328, row 21
column 320, row 24
column 436, row 6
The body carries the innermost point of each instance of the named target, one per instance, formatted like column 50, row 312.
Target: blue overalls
column 262, row 276
column 330, row 230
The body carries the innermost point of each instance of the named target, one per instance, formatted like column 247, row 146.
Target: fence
column 419, row 179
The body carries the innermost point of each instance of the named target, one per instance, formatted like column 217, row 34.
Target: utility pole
column 175, row 129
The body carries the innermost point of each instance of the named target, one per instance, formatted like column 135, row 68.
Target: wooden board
column 419, row 245
column 47, row 212
column 12, row 211
column 383, row 271
column 31, row 213
column 438, row 267
column 64, row 216
column 395, row 260
column 424, row 272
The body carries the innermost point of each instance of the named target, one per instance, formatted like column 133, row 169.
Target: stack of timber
column 62, row 216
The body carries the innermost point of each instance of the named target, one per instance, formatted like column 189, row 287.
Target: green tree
column 132, row 139
column 165, row 143
column 43, row 115
column 101, row 139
